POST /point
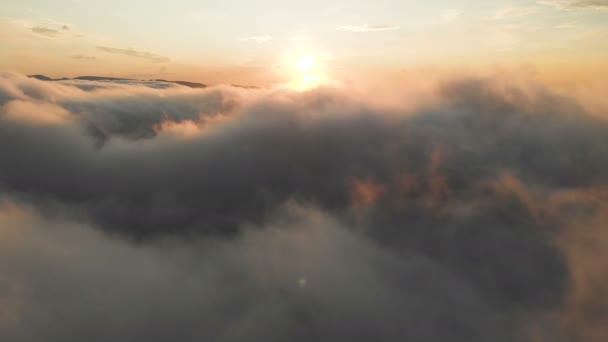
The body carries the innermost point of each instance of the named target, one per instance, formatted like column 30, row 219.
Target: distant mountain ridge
column 112, row 79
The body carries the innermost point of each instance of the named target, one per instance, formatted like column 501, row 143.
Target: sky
column 258, row 42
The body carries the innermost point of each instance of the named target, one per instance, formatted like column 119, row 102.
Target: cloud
column 45, row 31
column 514, row 12
column 230, row 214
column 568, row 25
column 83, row 57
column 368, row 28
column 576, row 4
column 257, row 39
column 247, row 289
column 450, row 15
column 135, row 53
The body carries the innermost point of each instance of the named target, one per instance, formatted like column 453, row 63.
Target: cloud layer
column 232, row 214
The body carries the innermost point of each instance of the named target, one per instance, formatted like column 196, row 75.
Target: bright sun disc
column 307, row 73
column 305, row 64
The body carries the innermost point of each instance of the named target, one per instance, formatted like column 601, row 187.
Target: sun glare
column 307, row 73
column 305, row 63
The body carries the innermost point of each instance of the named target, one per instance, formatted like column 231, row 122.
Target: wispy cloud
column 568, row 25
column 135, row 53
column 257, row 39
column 83, row 57
column 368, row 27
column 46, row 31
column 46, row 26
column 450, row 15
column 576, row 4
column 514, row 11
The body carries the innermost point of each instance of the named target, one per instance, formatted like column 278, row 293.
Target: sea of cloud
column 472, row 210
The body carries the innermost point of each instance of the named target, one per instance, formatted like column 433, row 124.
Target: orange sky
column 559, row 41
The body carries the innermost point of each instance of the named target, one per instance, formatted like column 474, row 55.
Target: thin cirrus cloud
column 514, row 12
column 134, row 53
column 368, row 27
column 450, row 15
column 576, row 4
column 258, row 39
column 83, row 57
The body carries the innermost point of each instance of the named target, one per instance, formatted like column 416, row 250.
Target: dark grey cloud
column 303, row 276
column 135, row 53
column 442, row 220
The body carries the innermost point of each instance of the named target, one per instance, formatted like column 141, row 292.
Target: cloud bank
column 471, row 213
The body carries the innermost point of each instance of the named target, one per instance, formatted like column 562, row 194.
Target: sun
column 305, row 63
column 307, row 72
